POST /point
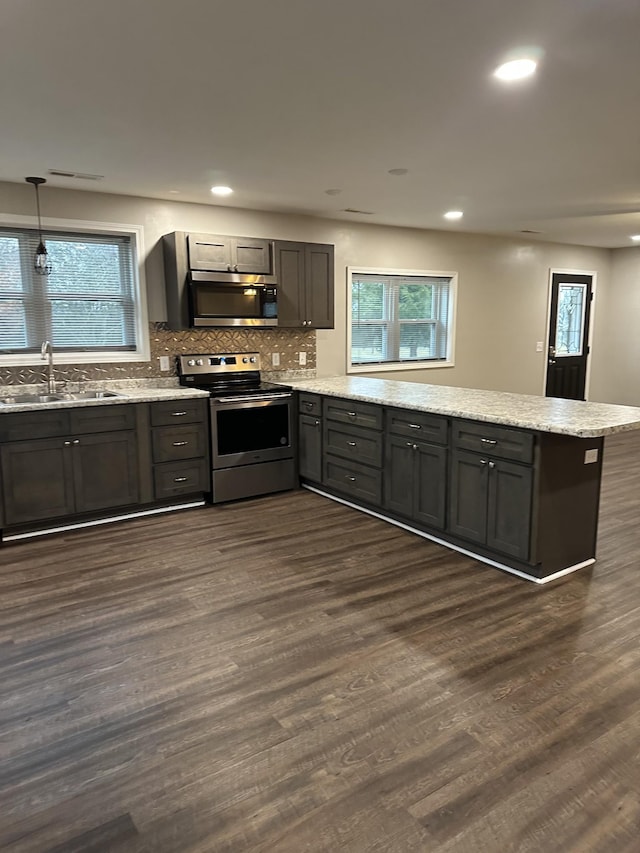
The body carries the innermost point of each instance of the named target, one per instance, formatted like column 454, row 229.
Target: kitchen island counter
column 525, row 411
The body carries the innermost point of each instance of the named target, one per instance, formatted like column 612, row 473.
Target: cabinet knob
column 76, row 441
column 351, row 479
column 317, row 423
column 308, row 405
column 483, row 461
column 492, row 464
column 67, row 444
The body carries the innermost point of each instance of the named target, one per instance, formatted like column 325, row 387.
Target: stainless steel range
column 252, row 424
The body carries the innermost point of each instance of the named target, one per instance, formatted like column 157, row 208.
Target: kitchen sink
column 20, row 399
column 90, row 395
column 30, row 398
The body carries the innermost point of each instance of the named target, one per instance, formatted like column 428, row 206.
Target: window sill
column 396, row 366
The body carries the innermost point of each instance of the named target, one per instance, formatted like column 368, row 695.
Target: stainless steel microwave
column 234, row 299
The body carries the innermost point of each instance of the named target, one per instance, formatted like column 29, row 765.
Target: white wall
column 502, row 285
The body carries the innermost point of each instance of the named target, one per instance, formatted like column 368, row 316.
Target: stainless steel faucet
column 46, row 352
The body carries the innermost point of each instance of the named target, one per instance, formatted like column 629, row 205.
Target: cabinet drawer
column 181, row 442
column 355, row 443
column 353, row 479
column 107, row 418
column 27, row 425
column 501, row 442
column 172, row 412
column 181, row 478
column 418, row 425
column 353, row 412
column 310, row 404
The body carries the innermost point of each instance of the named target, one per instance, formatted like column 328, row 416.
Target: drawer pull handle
column 352, row 414
column 309, row 406
column 352, row 444
column 177, row 414
column 414, row 426
column 180, row 443
column 180, row 479
column 350, row 479
column 490, row 441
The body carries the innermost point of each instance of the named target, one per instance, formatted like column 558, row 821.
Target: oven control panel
column 226, row 362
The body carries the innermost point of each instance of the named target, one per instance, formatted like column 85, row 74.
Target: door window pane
column 570, row 319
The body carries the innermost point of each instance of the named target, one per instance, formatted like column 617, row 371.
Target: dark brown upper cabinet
column 305, row 276
column 229, row 254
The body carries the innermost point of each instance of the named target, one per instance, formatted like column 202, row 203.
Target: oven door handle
column 251, row 398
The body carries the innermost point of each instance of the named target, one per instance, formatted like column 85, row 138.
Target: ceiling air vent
column 529, row 231
column 80, row 176
column 353, row 210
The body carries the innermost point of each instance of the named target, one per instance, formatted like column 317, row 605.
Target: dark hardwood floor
column 287, row 674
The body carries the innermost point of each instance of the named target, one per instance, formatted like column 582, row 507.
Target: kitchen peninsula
column 511, row 479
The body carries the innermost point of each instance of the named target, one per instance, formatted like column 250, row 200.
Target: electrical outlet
column 539, row 346
column 302, row 358
column 275, row 359
column 164, row 362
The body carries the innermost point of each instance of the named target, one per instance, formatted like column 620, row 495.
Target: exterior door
column 571, row 296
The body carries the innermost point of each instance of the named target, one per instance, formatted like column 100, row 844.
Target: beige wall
column 618, row 361
column 502, row 285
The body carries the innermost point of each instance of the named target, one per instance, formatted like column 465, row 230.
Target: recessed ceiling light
column 515, row 69
column 174, row 192
column 453, row 214
column 636, row 237
column 398, row 171
column 221, row 190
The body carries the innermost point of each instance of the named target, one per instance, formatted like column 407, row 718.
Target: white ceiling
column 284, row 99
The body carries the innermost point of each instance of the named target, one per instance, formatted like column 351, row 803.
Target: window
column 400, row 319
column 89, row 307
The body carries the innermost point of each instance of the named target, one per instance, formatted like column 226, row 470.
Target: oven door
column 246, row 430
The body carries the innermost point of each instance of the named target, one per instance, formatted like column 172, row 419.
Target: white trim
column 98, row 521
column 450, row 545
column 143, row 352
column 594, row 281
column 389, row 366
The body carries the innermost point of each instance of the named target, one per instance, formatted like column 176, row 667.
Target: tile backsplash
column 287, row 342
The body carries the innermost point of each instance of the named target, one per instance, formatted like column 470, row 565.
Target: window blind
column 87, row 302
column 399, row 318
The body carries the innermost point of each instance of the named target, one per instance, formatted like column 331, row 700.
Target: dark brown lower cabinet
column 310, row 447
column 416, row 480
column 490, row 503
column 55, row 477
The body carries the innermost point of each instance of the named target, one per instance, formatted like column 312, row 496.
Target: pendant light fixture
column 41, row 262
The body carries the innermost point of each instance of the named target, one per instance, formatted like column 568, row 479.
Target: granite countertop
column 543, row 414
column 131, row 391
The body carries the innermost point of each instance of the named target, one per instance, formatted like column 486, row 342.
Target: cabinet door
column 398, row 475
column 290, row 274
column 37, row 480
column 207, row 252
column 430, row 484
column 251, row 255
column 105, row 470
column 319, row 265
column 509, row 508
column 468, row 496
column 310, row 439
